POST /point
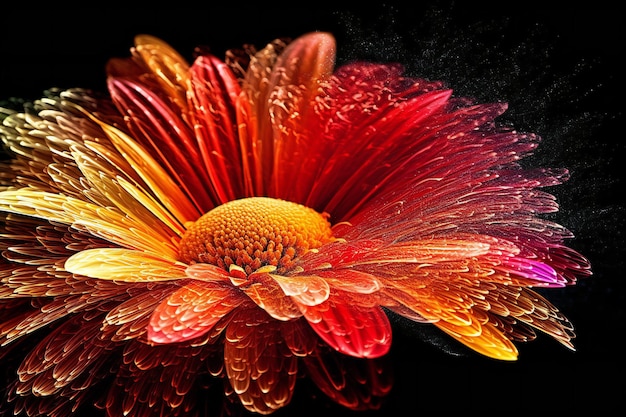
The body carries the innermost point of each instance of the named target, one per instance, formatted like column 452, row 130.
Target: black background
column 560, row 71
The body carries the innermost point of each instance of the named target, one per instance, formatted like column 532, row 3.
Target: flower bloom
column 270, row 211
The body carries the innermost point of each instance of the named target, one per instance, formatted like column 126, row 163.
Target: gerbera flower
column 259, row 218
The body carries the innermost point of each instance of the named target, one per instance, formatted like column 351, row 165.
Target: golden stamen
column 254, row 232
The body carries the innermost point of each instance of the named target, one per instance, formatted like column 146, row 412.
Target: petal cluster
column 432, row 218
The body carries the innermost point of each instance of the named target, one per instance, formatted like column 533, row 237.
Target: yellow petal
column 150, row 172
column 133, row 186
column 488, row 341
column 164, row 187
column 124, row 265
column 108, row 223
column 125, row 196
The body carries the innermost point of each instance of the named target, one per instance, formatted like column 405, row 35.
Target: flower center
column 254, row 232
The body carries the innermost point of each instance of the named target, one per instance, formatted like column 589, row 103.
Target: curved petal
column 252, row 119
column 192, row 311
column 351, row 280
column 158, row 179
column 53, row 365
column 299, row 337
column 484, row 339
column 167, row 65
column 307, row 290
column 468, row 255
column 268, row 295
column 537, row 273
column 397, row 132
column 167, row 136
column 127, row 197
column 124, row 265
column 129, row 319
column 350, row 329
column 372, row 253
column 107, row 223
column 486, row 316
column 278, row 87
column 213, row 96
column 260, row 368
column 164, row 380
column 355, row 383
column 295, row 85
column 207, row 272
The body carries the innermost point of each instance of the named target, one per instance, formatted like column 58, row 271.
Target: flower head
column 259, row 218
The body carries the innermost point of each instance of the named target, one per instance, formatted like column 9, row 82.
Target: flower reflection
column 243, row 223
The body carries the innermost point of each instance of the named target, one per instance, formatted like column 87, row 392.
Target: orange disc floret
column 254, row 232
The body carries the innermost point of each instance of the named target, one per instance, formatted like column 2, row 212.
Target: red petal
column 192, row 311
column 295, row 84
column 278, row 90
column 355, row 383
column 350, row 329
column 393, row 137
column 299, row 337
column 213, row 96
column 156, row 126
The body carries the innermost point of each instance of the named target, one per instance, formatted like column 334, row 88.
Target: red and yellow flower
column 267, row 210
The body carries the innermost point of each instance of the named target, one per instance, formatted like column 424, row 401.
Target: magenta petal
column 543, row 274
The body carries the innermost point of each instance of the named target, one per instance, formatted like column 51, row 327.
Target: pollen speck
column 254, row 232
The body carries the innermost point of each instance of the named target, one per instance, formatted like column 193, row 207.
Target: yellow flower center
column 254, row 232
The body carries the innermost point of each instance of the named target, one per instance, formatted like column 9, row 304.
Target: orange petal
column 351, row 280
column 168, row 66
column 307, row 290
column 268, row 295
column 207, row 272
column 156, row 177
column 192, row 311
column 163, row 132
column 488, row 340
column 260, row 368
column 141, row 207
